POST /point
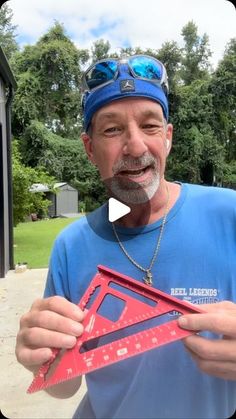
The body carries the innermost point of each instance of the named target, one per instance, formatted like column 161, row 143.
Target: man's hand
column 51, row 323
column 217, row 356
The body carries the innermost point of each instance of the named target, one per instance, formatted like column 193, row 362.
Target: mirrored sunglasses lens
column 101, row 73
column 146, row 67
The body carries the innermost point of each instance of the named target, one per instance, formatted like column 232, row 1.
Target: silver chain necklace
column 148, row 277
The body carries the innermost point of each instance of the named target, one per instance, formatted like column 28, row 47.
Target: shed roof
column 60, row 184
column 40, row 187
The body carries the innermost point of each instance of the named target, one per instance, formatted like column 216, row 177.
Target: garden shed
column 64, row 202
column 7, row 86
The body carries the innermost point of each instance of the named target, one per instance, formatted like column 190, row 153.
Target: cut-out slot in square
column 133, row 294
column 140, row 327
column 111, row 307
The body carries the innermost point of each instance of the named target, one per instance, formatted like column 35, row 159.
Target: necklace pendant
column 148, row 278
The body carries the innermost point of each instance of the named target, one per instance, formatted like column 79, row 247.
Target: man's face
column 128, row 145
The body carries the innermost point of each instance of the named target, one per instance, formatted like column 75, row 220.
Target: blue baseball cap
column 124, row 86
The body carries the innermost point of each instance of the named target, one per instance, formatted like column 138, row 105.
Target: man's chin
column 135, row 193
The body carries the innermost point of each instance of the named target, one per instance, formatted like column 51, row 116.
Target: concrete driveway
column 17, row 292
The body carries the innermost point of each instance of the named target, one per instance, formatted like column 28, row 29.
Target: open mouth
column 135, row 172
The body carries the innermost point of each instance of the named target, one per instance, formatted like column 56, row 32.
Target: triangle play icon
column 116, row 210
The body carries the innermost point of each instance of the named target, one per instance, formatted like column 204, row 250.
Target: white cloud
column 145, row 24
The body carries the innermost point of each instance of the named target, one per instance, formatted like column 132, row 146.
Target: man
column 179, row 238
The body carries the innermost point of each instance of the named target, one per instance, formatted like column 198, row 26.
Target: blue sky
column 124, row 23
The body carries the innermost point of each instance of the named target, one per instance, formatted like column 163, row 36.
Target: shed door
column 67, row 202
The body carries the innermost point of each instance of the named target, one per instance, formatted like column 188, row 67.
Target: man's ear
column 168, row 145
column 168, row 139
column 88, row 145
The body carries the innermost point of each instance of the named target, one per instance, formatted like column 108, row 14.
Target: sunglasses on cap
column 141, row 67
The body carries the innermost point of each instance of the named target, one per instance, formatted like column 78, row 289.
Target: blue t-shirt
column 196, row 262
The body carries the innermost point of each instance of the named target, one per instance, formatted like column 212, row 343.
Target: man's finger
column 211, row 349
column 33, row 357
column 59, row 305
column 52, row 321
column 43, row 338
column 221, row 369
column 216, row 322
column 221, row 306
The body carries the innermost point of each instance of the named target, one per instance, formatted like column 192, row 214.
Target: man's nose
column 135, row 143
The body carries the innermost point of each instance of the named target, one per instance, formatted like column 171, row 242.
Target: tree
column 170, row 55
column 53, row 68
column 223, row 90
column 100, row 49
column 195, row 54
column 197, row 156
column 24, row 201
column 7, row 31
column 34, row 143
column 63, row 159
column 27, row 101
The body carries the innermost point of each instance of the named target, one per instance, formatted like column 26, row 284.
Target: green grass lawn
column 33, row 241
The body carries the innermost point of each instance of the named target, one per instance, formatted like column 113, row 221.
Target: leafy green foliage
column 27, row 101
column 7, row 31
column 24, row 201
column 223, row 89
column 195, row 147
column 196, row 53
column 100, row 50
column 52, row 69
column 64, row 159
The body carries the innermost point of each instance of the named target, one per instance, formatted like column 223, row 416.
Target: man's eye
column 111, row 130
column 153, row 127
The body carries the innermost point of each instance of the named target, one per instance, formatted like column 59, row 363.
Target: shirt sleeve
column 57, row 278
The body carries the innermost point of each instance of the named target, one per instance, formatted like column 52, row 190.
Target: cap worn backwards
column 123, row 87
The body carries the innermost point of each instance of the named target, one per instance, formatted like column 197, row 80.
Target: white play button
column 121, row 204
column 116, row 209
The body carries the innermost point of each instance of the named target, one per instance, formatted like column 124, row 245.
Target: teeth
column 133, row 172
column 138, row 172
